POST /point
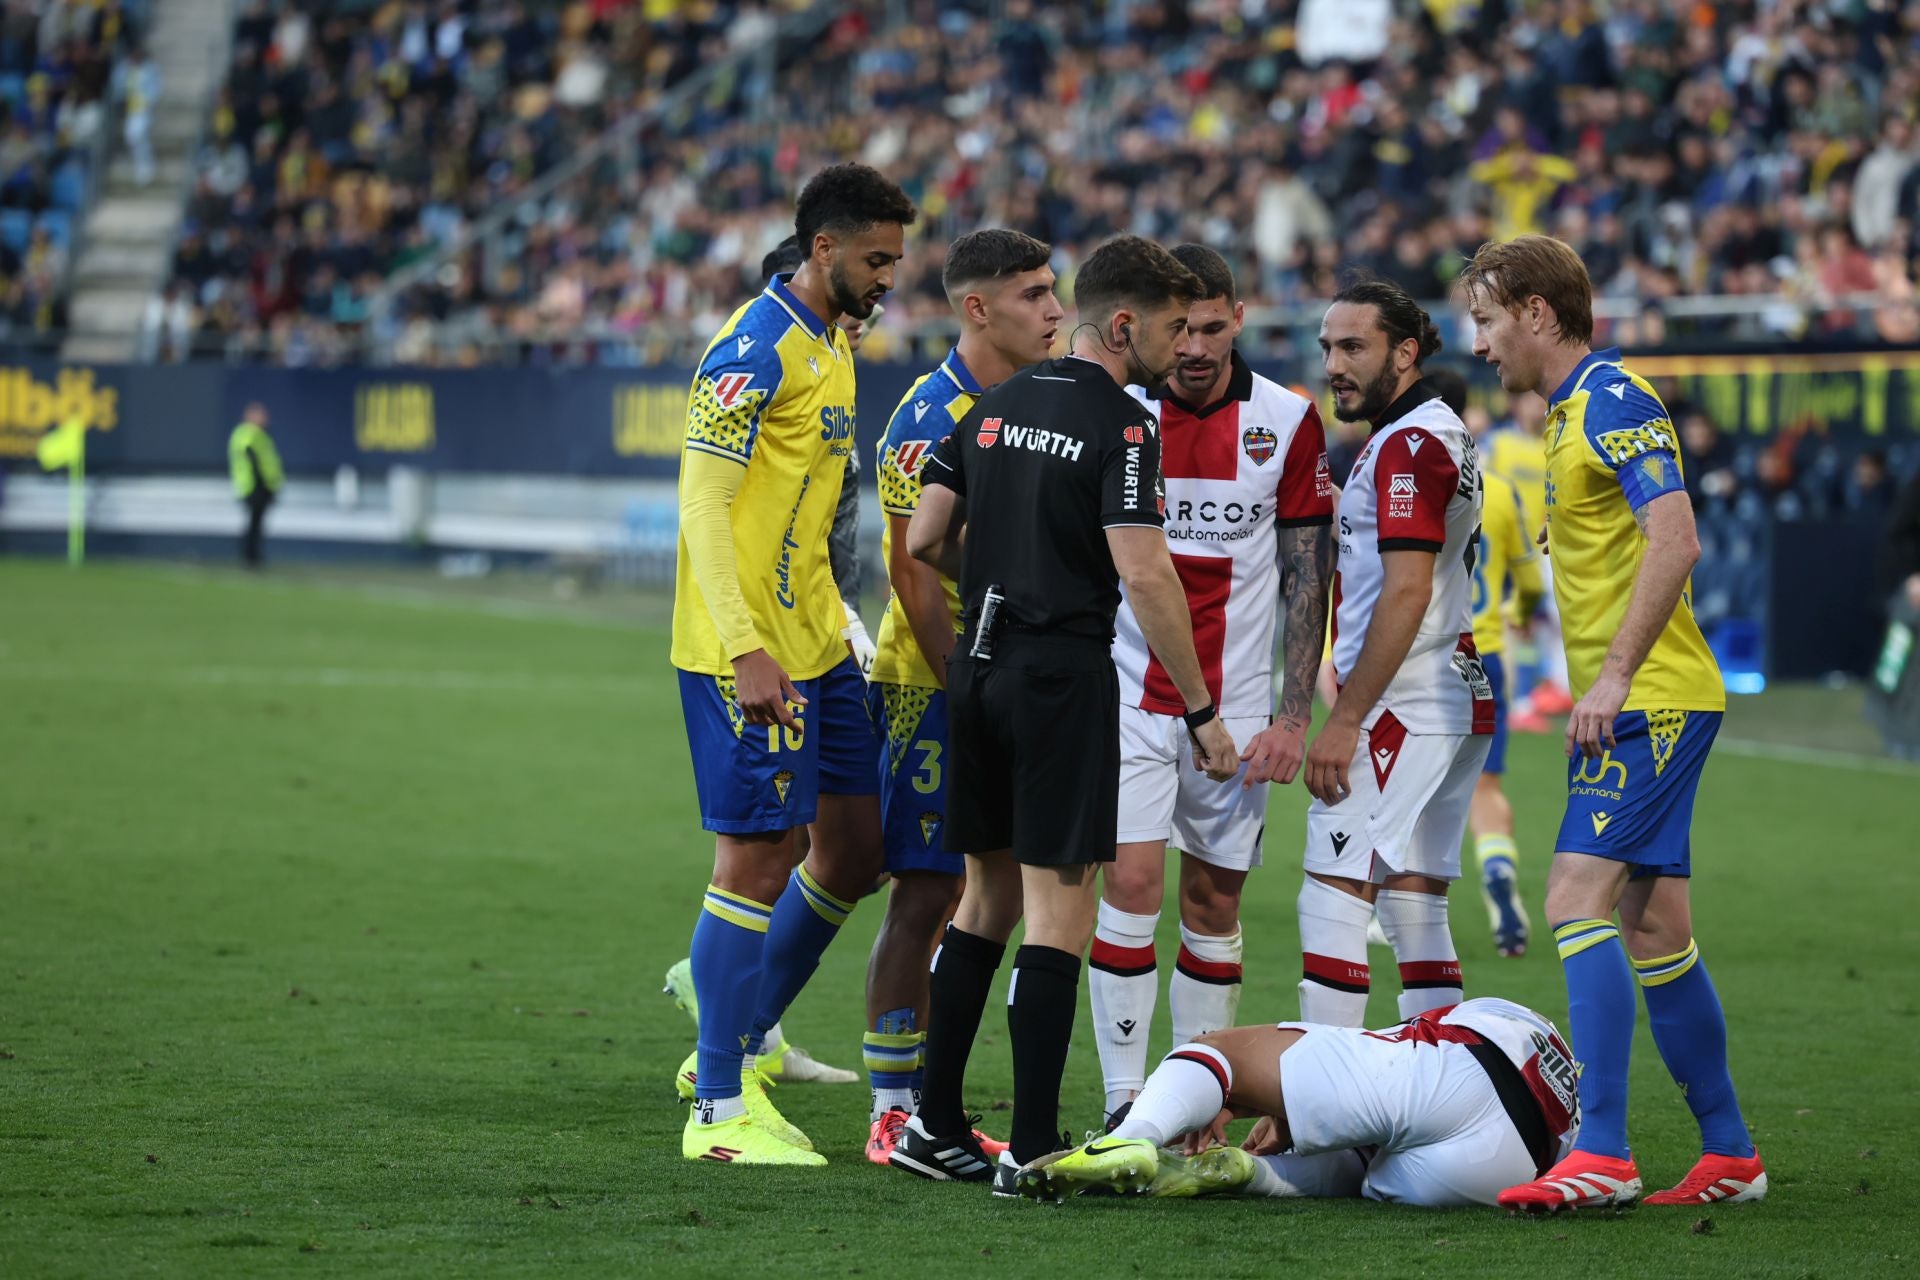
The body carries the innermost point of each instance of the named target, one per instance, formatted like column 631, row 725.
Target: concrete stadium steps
column 126, row 252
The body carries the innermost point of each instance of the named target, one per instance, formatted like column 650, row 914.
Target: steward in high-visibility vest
column 257, row 476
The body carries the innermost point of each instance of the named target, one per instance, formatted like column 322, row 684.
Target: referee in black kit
column 1061, row 468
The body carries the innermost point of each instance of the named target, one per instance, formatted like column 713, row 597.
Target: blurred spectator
column 1870, row 490
column 1707, row 457
column 136, row 87
column 1708, row 149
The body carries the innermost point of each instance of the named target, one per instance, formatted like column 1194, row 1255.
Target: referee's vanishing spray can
column 989, row 619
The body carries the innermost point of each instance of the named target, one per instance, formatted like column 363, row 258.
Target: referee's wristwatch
column 1195, row 719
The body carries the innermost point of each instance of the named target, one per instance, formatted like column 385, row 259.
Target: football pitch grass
column 334, row 909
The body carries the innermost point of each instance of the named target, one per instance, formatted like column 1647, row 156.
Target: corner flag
column 66, row 446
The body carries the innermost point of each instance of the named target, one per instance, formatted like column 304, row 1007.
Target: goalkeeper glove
column 855, row 634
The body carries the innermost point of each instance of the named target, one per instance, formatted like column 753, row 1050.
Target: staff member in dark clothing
column 1062, row 470
column 257, row 476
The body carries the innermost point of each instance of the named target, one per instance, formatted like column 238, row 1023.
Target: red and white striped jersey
column 1416, row 486
column 1236, row 471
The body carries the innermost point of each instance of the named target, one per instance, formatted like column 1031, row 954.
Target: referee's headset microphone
column 1126, row 335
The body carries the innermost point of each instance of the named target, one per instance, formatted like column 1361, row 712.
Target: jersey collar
column 802, row 314
column 1407, row 401
column 1580, row 371
column 1239, row 388
column 956, row 368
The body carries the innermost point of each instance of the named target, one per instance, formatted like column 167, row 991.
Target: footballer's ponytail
column 1400, row 315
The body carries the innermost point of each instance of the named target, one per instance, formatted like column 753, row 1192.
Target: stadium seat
column 16, row 225
column 69, row 186
column 58, row 224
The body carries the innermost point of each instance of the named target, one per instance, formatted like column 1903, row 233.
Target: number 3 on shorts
column 926, row 779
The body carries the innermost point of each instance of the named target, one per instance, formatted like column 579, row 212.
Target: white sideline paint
column 331, row 678
column 1818, row 756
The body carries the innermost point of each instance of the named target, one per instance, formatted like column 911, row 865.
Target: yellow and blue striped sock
column 729, row 942
column 892, row 1052
column 805, row 921
column 1690, row 1030
column 1488, row 847
column 1600, row 1013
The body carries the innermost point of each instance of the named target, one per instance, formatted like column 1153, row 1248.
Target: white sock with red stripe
column 1334, row 982
column 1124, row 982
column 1416, row 925
column 1188, row 1089
column 1205, row 988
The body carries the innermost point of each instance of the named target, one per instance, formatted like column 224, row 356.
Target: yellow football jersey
column 1610, row 450
column 1506, row 552
column 775, row 394
column 1520, row 460
column 930, row 410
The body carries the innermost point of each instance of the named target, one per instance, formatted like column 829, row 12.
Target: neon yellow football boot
column 1120, row 1166
column 1217, row 1171
column 741, row 1141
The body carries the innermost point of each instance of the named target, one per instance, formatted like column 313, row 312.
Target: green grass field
column 333, row 912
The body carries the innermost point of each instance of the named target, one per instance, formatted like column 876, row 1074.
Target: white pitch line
column 1819, row 756
column 333, row 678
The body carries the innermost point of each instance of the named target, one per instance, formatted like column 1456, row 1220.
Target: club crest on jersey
column 729, row 387
column 783, row 783
column 930, row 827
column 988, row 433
column 1260, row 444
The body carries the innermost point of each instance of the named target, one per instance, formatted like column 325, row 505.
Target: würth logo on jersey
column 1036, row 440
column 1135, row 434
column 988, row 433
column 728, row 388
column 1259, row 443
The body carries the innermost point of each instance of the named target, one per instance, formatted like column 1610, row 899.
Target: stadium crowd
column 62, row 62
column 1710, row 149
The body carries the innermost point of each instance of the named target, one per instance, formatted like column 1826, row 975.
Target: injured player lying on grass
column 1447, row 1108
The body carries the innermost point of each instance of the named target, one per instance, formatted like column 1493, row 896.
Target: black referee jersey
column 1047, row 461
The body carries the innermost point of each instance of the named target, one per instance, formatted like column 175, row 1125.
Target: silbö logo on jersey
column 783, row 571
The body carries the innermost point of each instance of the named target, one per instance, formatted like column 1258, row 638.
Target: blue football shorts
column 1634, row 804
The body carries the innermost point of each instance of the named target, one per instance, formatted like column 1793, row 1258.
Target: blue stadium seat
column 59, row 226
column 68, row 189
column 15, row 226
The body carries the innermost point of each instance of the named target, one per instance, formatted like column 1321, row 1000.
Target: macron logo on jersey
column 1619, row 390
column 920, row 408
column 729, row 387
column 746, row 344
column 1414, row 441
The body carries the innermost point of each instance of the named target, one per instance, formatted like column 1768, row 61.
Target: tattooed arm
column 1306, row 568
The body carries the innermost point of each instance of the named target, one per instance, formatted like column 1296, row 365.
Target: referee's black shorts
column 1034, row 750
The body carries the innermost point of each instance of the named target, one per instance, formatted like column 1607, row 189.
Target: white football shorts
column 1406, row 810
column 1163, row 797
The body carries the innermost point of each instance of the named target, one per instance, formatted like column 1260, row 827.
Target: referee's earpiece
column 1126, row 333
